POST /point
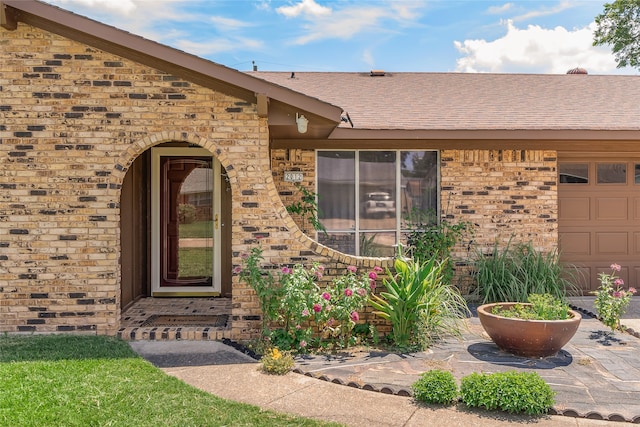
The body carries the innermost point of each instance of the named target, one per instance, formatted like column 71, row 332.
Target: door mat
column 172, row 320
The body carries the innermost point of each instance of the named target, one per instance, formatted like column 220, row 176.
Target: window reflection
column 612, row 173
column 573, row 173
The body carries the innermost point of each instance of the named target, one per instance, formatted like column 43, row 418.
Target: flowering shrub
column 611, row 299
column 277, row 362
column 294, row 301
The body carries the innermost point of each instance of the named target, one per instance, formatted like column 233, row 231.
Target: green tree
column 619, row 26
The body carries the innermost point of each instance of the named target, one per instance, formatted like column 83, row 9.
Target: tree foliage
column 619, row 26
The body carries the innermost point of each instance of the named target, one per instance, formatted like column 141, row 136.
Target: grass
column 196, row 262
column 197, row 229
column 61, row 380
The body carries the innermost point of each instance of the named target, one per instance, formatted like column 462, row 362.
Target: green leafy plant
column 277, row 362
column 540, row 307
column 262, row 282
column 427, row 237
column 415, row 295
column 514, row 392
column 512, row 273
column 612, row 300
column 307, row 208
column 436, row 386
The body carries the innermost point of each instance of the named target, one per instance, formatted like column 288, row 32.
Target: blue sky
column 361, row 35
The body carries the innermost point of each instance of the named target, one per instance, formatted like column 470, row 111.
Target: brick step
column 175, row 333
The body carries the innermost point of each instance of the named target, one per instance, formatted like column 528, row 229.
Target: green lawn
column 197, row 229
column 61, row 380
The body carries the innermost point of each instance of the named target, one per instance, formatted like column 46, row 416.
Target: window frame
column 357, row 231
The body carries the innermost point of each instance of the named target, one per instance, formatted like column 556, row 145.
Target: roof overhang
column 571, row 140
column 189, row 67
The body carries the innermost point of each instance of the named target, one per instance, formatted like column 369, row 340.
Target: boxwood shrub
column 436, row 386
column 514, row 392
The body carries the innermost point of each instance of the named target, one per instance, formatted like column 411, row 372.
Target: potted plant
column 539, row 328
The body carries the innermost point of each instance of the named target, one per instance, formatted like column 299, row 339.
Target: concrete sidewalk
column 596, row 376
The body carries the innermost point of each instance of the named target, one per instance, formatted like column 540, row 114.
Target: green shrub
column 512, row 391
column 542, row 307
column 436, row 386
column 512, row 273
column 277, row 362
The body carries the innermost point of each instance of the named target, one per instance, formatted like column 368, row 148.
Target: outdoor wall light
column 302, row 123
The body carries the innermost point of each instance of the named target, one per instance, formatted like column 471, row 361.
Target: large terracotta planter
column 528, row 338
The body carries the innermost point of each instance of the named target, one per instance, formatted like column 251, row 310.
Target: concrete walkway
column 596, row 377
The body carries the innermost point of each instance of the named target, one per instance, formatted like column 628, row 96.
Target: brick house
column 100, row 128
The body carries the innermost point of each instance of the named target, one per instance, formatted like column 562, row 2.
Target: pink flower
column 618, row 282
column 617, row 294
column 321, row 267
column 377, row 269
column 354, row 316
column 318, row 274
column 305, row 312
column 303, row 343
column 373, row 275
column 286, row 270
column 632, row 290
column 244, row 256
column 298, row 327
column 352, row 269
column 372, row 284
column 348, row 292
column 328, row 308
column 317, row 308
column 615, row 267
column 331, row 322
column 237, row 270
column 362, row 291
column 326, row 296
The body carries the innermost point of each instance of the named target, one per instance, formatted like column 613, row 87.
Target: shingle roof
column 457, row 101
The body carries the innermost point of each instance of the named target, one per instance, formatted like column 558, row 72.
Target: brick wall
column 506, row 194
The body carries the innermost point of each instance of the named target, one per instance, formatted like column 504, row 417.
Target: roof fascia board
column 114, row 40
column 8, row 18
column 580, row 145
column 485, row 134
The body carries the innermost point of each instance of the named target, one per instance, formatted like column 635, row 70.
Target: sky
column 520, row 36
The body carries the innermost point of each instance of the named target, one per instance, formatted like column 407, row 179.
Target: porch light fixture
column 302, row 123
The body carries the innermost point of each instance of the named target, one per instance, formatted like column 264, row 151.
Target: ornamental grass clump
column 436, row 386
column 512, row 273
column 612, row 300
column 513, row 392
column 277, row 362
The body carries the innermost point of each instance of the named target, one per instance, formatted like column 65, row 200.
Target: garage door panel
column 574, row 208
column 611, row 209
column 611, row 243
column 575, row 243
column 636, row 208
column 636, row 244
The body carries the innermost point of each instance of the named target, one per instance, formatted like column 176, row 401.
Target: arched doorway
column 175, row 225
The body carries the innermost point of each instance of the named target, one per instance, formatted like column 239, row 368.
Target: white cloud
column 560, row 7
column 496, row 10
column 347, row 22
column 218, row 45
column 305, row 7
column 367, row 58
column 537, row 50
column 228, row 24
column 123, row 7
